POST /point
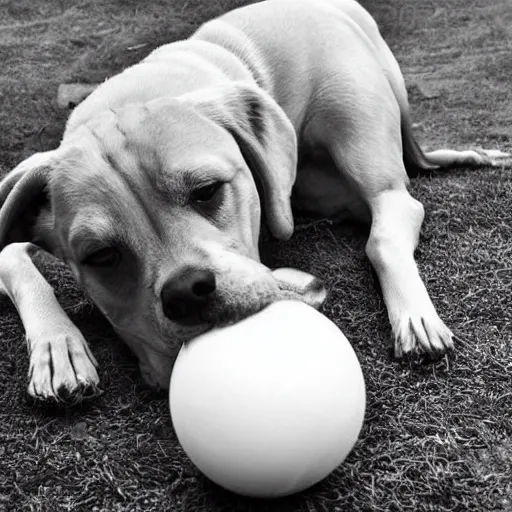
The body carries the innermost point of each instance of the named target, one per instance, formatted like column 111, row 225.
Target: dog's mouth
column 215, row 314
column 227, row 307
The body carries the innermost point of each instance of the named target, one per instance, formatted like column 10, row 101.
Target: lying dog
column 153, row 196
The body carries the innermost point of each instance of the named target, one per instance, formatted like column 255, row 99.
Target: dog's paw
column 422, row 335
column 62, row 369
column 295, row 284
column 480, row 157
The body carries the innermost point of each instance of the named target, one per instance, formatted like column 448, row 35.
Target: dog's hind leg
column 468, row 157
column 417, row 161
column 62, row 368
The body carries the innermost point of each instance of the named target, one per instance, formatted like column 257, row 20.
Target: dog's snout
column 186, row 292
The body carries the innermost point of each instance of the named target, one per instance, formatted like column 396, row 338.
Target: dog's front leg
column 362, row 132
column 395, row 228
column 62, row 367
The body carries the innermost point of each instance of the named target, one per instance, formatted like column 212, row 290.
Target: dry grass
column 436, row 437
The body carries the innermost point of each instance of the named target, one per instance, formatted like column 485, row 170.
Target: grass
column 436, row 437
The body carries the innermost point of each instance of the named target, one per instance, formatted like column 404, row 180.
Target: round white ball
column 271, row 405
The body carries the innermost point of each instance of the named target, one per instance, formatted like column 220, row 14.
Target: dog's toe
column 422, row 335
column 40, row 375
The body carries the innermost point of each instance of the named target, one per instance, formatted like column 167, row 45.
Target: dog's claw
column 64, row 396
column 419, row 335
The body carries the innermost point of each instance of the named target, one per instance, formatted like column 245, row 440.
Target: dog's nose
column 186, row 292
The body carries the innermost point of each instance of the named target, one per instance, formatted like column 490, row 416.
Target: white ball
column 271, row 405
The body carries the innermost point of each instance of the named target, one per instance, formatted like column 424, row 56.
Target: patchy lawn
column 436, row 437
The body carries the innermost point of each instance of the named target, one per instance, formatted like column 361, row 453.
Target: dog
column 155, row 195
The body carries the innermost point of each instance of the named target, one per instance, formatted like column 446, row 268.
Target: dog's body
column 152, row 200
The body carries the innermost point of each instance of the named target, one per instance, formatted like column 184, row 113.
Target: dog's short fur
column 153, row 196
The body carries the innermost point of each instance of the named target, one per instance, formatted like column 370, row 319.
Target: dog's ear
column 19, row 194
column 266, row 138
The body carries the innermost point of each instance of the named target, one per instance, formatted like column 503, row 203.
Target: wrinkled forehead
column 88, row 199
column 170, row 129
column 138, row 159
column 168, row 148
column 174, row 134
column 83, row 173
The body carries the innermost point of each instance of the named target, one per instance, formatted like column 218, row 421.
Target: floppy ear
column 18, row 191
column 266, row 138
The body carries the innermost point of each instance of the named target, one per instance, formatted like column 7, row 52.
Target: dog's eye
column 207, row 193
column 106, row 257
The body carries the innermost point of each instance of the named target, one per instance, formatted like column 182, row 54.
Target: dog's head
column 156, row 209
